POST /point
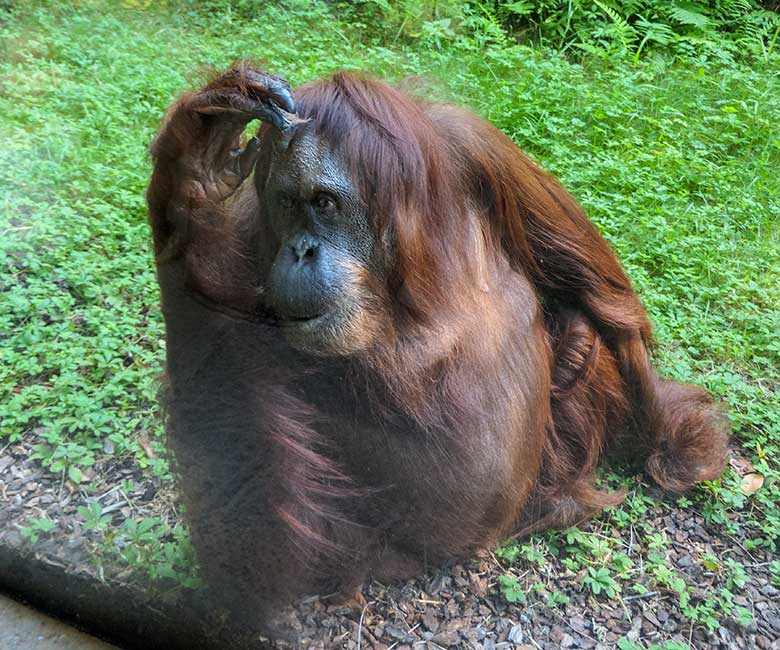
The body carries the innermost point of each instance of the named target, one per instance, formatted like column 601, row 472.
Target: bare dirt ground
column 460, row 606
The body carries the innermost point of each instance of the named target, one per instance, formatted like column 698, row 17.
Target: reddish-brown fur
column 507, row 355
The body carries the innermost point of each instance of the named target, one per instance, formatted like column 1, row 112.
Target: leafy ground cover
column 675, row 157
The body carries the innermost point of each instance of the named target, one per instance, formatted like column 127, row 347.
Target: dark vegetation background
column 660, row 116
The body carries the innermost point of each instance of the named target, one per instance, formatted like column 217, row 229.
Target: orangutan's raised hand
column 200, row 140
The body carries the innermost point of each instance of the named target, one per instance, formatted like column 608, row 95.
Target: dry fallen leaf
column 741, row 466
column 751, row 482
column 146, row 445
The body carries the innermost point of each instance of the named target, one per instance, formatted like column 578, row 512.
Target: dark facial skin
column 319, row 228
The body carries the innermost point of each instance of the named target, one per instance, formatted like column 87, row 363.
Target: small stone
column 578, row 624
column 398, row 634
column 430, row 620
column 479, row 586
column 439, row 583
column 726, row 636
column 449, row 635
column 447, row 638
column 515, row 634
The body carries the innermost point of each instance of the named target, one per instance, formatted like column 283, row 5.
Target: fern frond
column 693, row 18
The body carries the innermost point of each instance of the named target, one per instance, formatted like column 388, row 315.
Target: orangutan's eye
column 325, row 203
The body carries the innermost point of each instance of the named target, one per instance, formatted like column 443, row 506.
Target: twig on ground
column 62, row 483
column 645, row 596
column 130, row 505
column 360, row 626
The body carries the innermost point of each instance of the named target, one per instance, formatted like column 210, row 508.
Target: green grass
column 677, row 161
